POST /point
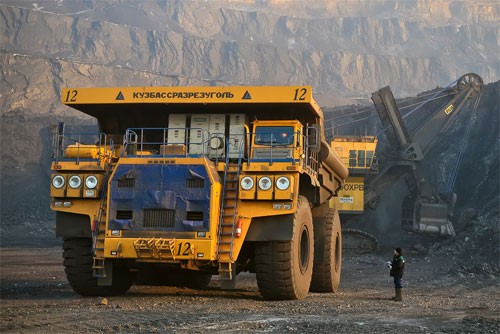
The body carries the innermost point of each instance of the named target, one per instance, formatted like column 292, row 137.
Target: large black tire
column 284, row 268
column 327, row 252
column 78, row 268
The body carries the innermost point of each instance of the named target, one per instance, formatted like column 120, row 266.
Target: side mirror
column 313, row 138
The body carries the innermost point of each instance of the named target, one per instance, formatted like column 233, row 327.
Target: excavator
column 424, row 211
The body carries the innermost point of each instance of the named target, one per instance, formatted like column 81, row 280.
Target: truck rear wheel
column 284, row 268
column 78, row 268
column 327, row 252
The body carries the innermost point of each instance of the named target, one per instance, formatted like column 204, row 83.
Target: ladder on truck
column 99, row 230
column 228, row 218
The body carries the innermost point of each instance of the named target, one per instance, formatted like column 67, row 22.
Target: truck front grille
column 194, row 215
column 124, row 214
column 159, row 218
column 274, row 153
column 195, row 183
column 126, row 183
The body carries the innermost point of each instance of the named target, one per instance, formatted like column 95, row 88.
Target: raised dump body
column 183, row 183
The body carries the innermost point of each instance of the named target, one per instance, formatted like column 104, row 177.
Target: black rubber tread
column 371, row 242
column 78, row 261
column 327, row 259
column 277, row 263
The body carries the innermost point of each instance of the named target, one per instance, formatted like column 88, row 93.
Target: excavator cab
column 357, row 153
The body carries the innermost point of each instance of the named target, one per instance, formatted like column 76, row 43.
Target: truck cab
column 277, row 140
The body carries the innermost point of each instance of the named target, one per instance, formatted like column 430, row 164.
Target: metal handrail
column 147, row 143
column 61, row 142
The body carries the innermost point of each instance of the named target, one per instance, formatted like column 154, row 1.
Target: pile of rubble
column 474, row 251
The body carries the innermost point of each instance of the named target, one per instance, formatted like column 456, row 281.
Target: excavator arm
column 423, row 210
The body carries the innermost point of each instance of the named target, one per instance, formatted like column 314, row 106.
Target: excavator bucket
column 428, row 217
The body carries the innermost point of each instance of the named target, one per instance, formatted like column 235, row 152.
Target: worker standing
column 397, row 269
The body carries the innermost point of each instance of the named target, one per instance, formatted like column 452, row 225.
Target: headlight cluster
column 75, row 181
column 266, row 187
column 71, row 185
column 265, row 183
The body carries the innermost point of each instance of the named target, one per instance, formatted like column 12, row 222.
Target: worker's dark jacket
column 398, row 266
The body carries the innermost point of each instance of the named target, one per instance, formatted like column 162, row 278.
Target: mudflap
column 229, row 284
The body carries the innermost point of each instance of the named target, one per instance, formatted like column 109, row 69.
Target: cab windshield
column 274, row 135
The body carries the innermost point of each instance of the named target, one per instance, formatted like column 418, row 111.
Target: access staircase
column 99, row 232
column 228, row 217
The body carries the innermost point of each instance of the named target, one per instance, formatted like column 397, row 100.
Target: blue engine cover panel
column 163, row 197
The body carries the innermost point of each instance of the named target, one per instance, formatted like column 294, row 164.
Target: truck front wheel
column 78, row 268
column 284, row 268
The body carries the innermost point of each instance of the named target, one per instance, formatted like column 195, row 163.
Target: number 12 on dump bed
column 300, row 94
column 71, row 95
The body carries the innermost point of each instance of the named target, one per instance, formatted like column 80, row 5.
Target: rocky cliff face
column 344, row 49
column 341, row 48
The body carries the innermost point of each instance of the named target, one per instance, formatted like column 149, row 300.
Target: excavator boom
column 424, row 210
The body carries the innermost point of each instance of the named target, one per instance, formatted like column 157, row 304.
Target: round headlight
column 282, row 183
column 246, row 183
column 265, row 183
column 91, row 182
column 58, row 181
column 74, row 181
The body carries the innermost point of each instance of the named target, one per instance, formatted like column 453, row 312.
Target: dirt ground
column 36, row 298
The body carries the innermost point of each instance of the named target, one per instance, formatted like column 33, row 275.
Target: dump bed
column 119, row 108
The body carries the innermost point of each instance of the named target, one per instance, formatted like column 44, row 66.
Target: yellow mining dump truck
column 182, row 183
